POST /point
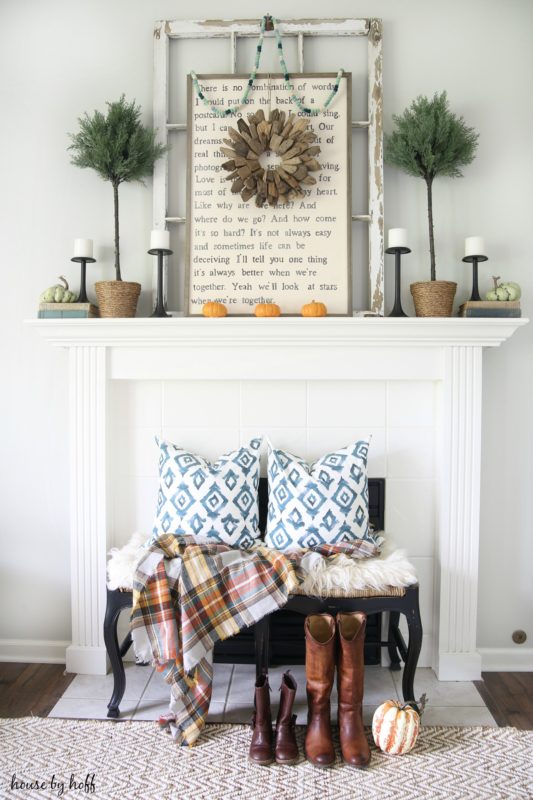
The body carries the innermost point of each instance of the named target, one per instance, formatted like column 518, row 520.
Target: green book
column 490, row 308
column 67, row 311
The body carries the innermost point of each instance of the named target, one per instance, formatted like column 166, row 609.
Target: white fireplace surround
column 294, row 358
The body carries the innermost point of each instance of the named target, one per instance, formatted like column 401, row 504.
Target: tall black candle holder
column 159, row 310
column 397, row 310
column 83, row 260
column 474, row 261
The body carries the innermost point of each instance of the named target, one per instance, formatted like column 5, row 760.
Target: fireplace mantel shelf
column 251, row 332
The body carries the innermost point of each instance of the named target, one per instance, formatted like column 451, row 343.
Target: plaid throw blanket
column 187, row 596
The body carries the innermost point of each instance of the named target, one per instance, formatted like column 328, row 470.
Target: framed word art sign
column 269, row 195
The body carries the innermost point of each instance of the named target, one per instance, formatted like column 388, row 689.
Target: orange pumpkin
column 395, row 727
column 214, row 310
column 314, row 309
column 267, row 310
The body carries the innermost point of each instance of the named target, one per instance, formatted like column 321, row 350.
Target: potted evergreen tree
column 121, row 150
column 429, row 140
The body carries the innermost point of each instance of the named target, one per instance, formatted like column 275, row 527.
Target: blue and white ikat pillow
column 215, row 503
column 321, row 503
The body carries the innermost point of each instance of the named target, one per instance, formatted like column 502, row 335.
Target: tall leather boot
column 319, row 670
column 261, row 745
column 350, row 681
column 286, row 748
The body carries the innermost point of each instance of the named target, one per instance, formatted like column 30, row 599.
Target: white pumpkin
column 395, row 727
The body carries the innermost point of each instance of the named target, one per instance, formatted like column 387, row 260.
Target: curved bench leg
column 414, row 624
column 261, row 641
column 112, row 613
column 395, row 663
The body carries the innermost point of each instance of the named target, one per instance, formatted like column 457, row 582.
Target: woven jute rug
column 44, row 758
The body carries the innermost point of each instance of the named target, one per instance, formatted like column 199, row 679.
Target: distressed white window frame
column 232, row 30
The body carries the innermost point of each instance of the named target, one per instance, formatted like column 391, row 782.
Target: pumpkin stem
column 496, row 278
column 61, row 278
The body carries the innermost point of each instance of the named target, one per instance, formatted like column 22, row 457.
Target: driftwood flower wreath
column 270, row 158
column 288, row 139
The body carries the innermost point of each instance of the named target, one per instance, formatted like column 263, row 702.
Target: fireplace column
column 456, row 656
column 88, row 522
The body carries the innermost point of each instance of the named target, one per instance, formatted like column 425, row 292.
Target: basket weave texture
column 117, row 298
column 433, row 298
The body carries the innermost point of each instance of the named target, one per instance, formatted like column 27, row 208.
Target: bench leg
column 115, row 653
column 394, row 618
column 414, row 624
column 261, row 641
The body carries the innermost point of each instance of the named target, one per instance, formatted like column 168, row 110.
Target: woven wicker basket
column 433, row 298
column 117, row 298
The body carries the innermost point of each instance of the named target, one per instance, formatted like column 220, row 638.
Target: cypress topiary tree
column 119, row 148
column 429, row 140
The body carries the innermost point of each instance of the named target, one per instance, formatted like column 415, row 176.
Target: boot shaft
column 351, row 658
column 286, row 699
column 319, row 655
column 262, row 713
column 286, row 747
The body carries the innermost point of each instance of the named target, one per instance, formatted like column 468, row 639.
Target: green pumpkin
column 504, row 291
column 513, row 290
column 58, row 293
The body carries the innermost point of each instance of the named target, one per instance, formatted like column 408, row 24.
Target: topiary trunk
column 429, row 185
column 117, row 247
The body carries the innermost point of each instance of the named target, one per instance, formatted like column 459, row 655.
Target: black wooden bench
column 395, row 601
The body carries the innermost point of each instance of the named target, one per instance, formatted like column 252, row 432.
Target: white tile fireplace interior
column 307, row 417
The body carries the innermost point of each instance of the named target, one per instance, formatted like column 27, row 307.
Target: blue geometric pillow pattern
column 215, row 503
column 322, row 503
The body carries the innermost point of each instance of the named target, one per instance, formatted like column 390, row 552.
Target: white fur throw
column 318, row 575
column 123, row 560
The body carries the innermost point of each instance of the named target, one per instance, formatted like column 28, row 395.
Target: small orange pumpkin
column 395, row 727
column 314, row 309
column 214, row 310
column 267, row 310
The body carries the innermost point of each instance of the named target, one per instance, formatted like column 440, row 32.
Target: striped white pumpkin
column 395, row 727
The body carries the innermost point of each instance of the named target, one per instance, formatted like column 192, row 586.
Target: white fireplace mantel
column 447, row 351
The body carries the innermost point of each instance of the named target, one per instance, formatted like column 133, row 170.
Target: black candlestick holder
column 397, row 310
column 83, row 260
column 159, row 310
column 474, row 261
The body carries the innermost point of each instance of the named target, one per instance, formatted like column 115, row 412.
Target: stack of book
column 490, row 308
column 67, row 311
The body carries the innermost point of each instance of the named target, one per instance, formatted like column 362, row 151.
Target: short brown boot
column 261, row 751
column 319, row 670
column 350, row 681
column 286, row 749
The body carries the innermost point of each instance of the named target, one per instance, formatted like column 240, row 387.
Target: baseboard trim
column 34, row 651
column 458, row 666
column 506, row 659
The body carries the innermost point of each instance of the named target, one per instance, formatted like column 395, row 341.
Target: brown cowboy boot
column 286, row 749
column 350, row 680
column 319, row 670
column 261, row 744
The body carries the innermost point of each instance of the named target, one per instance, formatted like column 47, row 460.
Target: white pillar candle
column 474, row 246
column 160, row 240
column 83, row 248
column 397, row 237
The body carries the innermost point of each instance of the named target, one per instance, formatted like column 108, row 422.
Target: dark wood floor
column 31, row 689
column 34, row 689
column 509, row 697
